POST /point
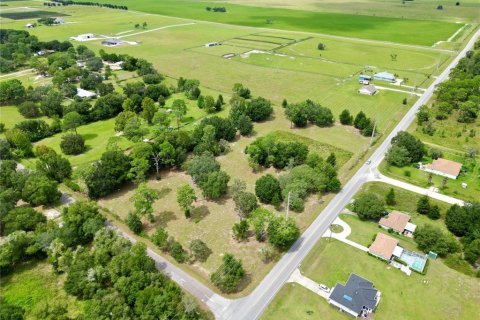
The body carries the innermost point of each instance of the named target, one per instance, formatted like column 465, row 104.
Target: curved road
column 252, row 306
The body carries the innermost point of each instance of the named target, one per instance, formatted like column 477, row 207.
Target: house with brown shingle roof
column 398, row 222
column 444, row 168
column 384, row 247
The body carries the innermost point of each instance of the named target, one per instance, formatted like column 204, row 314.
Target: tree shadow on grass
column 164, row 217
column 164, row 192
column 89, row 136
column 199, row 213
column 244, row 283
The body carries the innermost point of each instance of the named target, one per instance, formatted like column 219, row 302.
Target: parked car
column 368, row 162
column 324, row 288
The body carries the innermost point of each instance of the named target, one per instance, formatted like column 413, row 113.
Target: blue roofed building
column 357, row 297
column 384, row 76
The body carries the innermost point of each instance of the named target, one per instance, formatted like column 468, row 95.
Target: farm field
column 418, row 9
column 449, row 293
column 367, row 27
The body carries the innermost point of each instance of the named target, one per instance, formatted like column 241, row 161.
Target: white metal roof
column 410, row 227
column 397, row 252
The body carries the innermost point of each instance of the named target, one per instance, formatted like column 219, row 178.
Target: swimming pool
column 414, row 260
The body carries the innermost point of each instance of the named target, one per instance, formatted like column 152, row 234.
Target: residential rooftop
column 383, row 246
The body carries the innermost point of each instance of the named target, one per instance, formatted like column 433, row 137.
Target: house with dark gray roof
column 357, row 297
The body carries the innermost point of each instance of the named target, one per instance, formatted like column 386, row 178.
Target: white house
column 83, row 37
column 29, row 25
column 444, row 168
column 58, row 21
column 369, row 90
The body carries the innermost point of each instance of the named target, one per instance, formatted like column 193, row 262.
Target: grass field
column 418, row 9
column 22, row 15
column 34, row 284
column 450, row 295
column 367, row 27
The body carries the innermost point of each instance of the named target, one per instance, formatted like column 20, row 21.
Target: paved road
column 252, row 306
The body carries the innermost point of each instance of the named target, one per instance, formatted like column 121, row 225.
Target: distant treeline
column 88, row 3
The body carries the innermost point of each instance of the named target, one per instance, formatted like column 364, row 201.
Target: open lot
column 450, row 295
column 33, row 285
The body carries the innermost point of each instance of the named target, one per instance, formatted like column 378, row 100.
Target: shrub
column 267, row 187
column 72, row 144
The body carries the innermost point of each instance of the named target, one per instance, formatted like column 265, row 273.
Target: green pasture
column 360, row 26
column 449, row 294
column 418, row 9
column 10, row 116
column 97, row 136
column 34, row 284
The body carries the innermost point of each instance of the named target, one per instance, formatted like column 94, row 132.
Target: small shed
column 58, row 20
column 369, row 89
column 385, row 76
column 29, row 25
column 364, row 77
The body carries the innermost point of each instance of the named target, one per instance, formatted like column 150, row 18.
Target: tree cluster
column 464, row 222
column 302, row 113
column 205, row 172
column 406, row 149
column 267, row 151
column 88, row 3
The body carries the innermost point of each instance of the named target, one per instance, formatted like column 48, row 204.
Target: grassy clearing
column 10, row 116
column 97, row 136
column 368, row 27
column 449, row 294
column 34, row 284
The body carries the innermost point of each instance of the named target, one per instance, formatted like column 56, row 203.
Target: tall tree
column 179, row 109
column 143, row 200
column 185, row 198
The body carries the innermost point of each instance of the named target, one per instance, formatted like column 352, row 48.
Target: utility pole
column 288, row 205
column 373, row 132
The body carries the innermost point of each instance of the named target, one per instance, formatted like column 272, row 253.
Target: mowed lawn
column 34, row 284
column 97, row 136
column 368, row 27
column 441, row 294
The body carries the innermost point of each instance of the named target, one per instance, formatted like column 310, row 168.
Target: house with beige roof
column 444, row 168
column 398, row 222
column 385, row 247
